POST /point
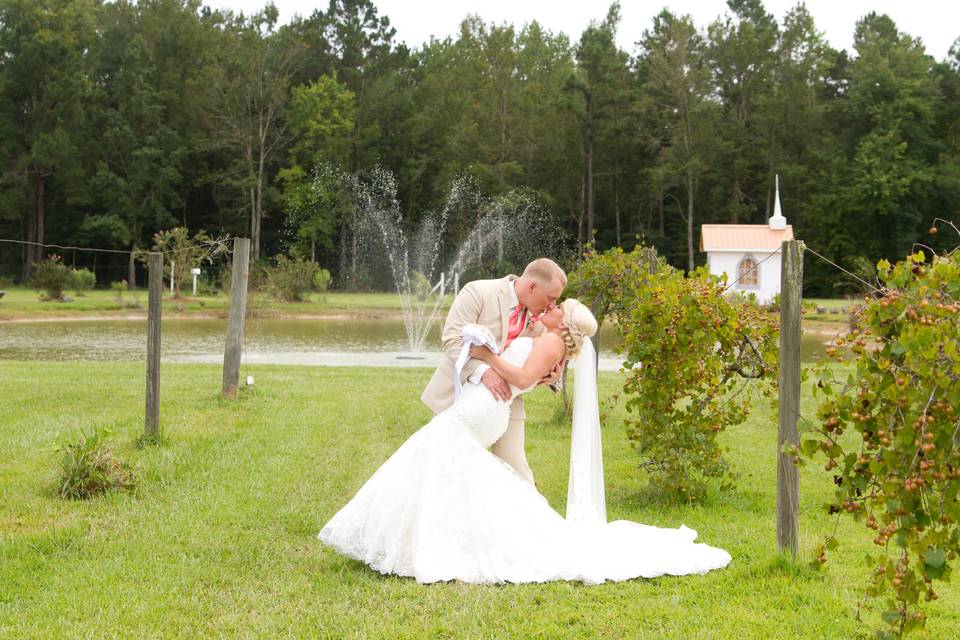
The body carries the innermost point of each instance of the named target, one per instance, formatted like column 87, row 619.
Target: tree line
column 121, row 119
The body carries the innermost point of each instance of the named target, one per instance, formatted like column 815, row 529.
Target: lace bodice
column 477, row 412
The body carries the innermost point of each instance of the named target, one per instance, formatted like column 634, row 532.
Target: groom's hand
column 497, row 385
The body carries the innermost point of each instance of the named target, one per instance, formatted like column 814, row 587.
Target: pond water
column 119, row 340
column 329, row 341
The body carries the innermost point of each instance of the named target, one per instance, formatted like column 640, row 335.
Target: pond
column 125, row 339
column 332, row 341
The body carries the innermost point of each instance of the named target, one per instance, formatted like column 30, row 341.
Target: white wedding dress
column 443, row 507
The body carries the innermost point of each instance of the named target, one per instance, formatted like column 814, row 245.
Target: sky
column 936, row 22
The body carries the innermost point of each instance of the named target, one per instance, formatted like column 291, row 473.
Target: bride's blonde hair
column 580, row 325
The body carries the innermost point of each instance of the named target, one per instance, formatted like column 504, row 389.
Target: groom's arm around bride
column 508, row 307
column 478, row 302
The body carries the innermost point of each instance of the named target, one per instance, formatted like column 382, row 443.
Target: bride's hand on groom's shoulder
column 480, row 353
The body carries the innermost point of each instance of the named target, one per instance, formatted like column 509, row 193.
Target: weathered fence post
column 650, row 258
column 238, row 310
column 154, row 309
column 791, row 290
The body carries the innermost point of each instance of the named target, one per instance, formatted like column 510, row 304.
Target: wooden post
column 154, row 308
column 238, row 311
column 650, row 257
column 788, row 486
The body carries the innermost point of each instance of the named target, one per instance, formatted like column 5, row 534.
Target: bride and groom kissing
column 457, row 501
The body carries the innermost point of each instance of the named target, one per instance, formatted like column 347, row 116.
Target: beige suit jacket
column 483, row 302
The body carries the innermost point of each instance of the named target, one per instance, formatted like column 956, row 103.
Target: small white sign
column 249, row 381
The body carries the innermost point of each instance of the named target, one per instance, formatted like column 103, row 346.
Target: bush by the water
column 119, row 288
column 290, row 279
column 83, row 280
column 88, row 468
column 321, row 281
column 52, row 276
column 256, row 277
column 420, row 286
column 183, row 253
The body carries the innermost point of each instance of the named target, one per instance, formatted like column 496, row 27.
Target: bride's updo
column 580, row 325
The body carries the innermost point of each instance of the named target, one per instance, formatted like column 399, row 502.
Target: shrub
column 88, row 468
column 207, row 286
column 183, row 252
column 420, row 286
column 364, row 278
column 688, row 347
column 83, row 280
column 321, row 281
column 290, row 279
column 897, row 471
column 226, row 278
column 52, row 276
column 119, row 288
column 256, row 277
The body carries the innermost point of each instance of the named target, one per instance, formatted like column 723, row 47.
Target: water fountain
column 511, row 229
column 380, row 212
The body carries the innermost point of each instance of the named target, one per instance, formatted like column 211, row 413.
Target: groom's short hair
column 545, row 270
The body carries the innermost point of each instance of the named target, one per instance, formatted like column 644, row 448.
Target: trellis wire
column 220, row 246
column 873, row 289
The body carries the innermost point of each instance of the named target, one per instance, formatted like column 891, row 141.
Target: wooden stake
column 650, row 257
column 154, row 310
column 791, row 293
column 238, row 311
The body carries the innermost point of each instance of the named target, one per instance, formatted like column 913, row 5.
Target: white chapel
column 749, row 254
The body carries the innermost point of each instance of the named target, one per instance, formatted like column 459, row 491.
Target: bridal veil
column 586, row 501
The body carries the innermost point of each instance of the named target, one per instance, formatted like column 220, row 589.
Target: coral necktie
column 518, row 319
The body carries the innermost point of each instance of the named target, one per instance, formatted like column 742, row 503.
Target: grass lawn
column 23, row 303
column 220, row 538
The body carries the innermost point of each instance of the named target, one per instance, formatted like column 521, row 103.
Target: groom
column 510, row 308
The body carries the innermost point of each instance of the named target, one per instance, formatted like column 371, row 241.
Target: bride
column 443, row 507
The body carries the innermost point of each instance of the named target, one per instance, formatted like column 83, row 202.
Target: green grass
column 219, row 540
column 23, row 303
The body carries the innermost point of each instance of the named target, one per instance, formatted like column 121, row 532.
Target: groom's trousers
column 510, row 448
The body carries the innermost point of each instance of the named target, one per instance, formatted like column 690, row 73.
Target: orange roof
column 742, row 237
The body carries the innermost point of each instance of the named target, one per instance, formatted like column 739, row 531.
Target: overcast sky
column 937, row 22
